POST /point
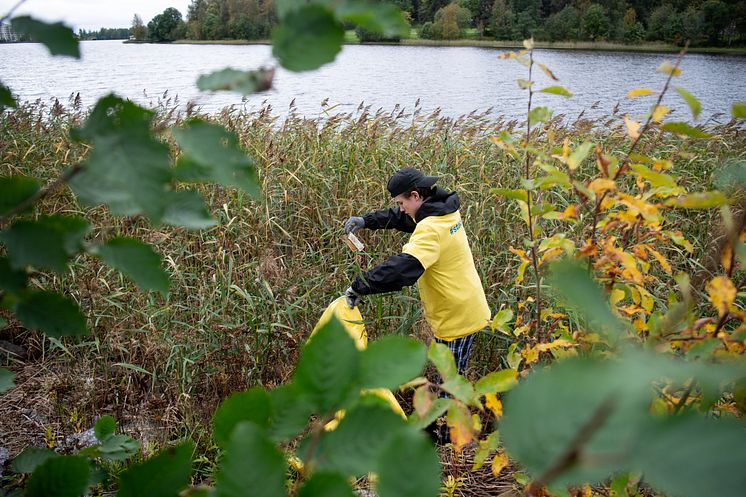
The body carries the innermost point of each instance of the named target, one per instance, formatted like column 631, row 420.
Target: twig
column 13, row 9
column 625, row 163
column 572, row 454
column 64, row 178
column 534, row 258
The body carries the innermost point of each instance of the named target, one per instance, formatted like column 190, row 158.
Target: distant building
column 7, row 34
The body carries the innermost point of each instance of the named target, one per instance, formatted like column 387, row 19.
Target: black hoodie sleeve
column 389, row 219
column 391, row 275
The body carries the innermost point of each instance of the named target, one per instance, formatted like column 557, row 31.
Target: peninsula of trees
column 703, row 22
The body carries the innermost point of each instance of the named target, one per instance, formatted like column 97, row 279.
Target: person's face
column 409, row 206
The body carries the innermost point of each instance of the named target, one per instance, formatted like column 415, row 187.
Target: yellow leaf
column 639, row 92
column 499, row 462
column 423, row 399
column 665, row 265
column 660, row 112
column 722, row 293
column 617, row 295
column 521, row 272
column 668, row 68
column 460, row 425
column 531, row 355
column 646, row 300
column 547, row 71
column 494, row 404
column 633, row 128
column 600, row 185
column 528, row 44
column 726, row 257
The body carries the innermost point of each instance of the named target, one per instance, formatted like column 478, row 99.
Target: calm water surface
column 457, row 80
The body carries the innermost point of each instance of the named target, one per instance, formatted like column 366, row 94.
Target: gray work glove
column 353, row 298
column 354, row 224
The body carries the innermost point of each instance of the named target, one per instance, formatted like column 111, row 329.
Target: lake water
column 457, row 80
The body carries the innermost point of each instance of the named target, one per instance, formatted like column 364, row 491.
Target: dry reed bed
column 246, row 293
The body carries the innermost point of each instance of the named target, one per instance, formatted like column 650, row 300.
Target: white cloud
column 93, row 14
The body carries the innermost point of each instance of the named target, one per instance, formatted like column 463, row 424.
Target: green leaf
column 164, row 475
column 30, row 459
column 104, row 428
column 6, row 97
column 442, row 358
column 524, row 84
column 251, row 405
column 128, row 169
column 655, row 179
column 557, row 90
column 210, row 153
column 732, row 175
column 118, row 448
column 539, row 114
column 51, row 313
column 514, row 194
column 683, row 129
column 383, row 18
column 326, row 484
column 289, row 412
column 6, row 380
column 497, row 382
column 395, row 469
column 58, row 38
column 501, row 320
column 461, row 389
column 63, row 476
column 579, row 155
column 701, row 200
column 252, row 465
column 46, row 243
column 739, row 110
column 692, row 456
column 580, row 292
column 355, row 446
column 14, row 190
column 391, row 361
column 328, row 368
column 186, row 208
column 243, row 82
column 307, row 38
column 486, row 447
column 691, row 101
column 438, row 407
column 136, row 260
column 10, row 279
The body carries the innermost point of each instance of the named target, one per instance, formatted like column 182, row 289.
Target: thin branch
column 52, row 187
column 573, row 452
column 10, row 12
column 534, row 258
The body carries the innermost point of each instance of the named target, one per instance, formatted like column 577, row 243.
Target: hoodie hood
column 439, row 204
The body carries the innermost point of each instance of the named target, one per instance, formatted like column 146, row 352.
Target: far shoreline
column 561, row 45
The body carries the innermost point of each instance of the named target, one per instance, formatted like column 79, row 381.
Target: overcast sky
column 94, row 14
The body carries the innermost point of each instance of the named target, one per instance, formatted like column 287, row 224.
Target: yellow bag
column 352, row 321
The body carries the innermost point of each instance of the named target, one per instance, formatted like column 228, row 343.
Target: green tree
column 595, row 23
column 563, row 25
column 502, row 20
column 450, row 22
column 195, row 19
column 139, row 31
column 717, row 17
column 167, row 26
column 634, row 31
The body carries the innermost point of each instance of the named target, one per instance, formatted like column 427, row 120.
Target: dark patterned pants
column 461, row 350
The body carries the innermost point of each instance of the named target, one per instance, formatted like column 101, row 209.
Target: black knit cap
column 407, row 179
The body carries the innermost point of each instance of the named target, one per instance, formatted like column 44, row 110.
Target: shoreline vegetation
column 560, row 45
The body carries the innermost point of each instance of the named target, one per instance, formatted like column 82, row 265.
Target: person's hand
column 354, row 224
column 353, row 298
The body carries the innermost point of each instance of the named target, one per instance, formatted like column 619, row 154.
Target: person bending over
column 437, row 258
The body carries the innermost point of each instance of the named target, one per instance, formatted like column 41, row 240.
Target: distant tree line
column 105, row 34
column 703, row 22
